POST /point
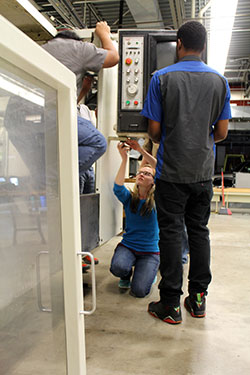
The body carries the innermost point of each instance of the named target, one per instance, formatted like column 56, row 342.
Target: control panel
column 142, row 52
column 132, row 73
column 132, row 81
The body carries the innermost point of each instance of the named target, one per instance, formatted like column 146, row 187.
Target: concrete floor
column 123, row 339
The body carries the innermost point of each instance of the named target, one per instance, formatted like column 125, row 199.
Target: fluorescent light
column 12, row 87
column 222, row 20
column 38, row 16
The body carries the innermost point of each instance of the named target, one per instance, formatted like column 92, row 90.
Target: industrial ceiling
column 169, row 14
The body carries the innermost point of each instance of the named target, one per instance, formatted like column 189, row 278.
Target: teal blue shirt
column 141, row 232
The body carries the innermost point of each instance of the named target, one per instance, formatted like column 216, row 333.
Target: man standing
column 188, row 107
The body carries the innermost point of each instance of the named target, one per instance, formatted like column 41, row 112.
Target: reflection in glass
column 32, row 330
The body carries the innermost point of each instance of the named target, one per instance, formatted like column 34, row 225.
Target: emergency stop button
column 128, row 61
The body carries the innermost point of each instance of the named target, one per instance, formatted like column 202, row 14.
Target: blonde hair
column 149, row 204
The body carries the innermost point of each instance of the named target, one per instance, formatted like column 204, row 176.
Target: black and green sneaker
column 169, row 314
column 196, row 305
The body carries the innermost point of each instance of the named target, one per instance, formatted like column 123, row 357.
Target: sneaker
column 196, row 305
column 168, row 314
column 87, row 260
column 85, row 267
column 124, row 284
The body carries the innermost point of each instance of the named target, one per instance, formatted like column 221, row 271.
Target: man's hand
column 102, row 29
column 103, row 32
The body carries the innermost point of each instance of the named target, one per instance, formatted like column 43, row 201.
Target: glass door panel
column 32, row 321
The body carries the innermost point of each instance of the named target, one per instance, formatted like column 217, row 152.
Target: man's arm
column 103, row 32
column 86, row 86
column 220, row 130
column 154, row 130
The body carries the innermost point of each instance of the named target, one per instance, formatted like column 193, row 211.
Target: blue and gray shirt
column 187, row 98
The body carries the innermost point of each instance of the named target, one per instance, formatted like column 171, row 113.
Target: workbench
column 236, row 195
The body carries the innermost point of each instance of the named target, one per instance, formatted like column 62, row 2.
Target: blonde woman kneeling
column 136, row 258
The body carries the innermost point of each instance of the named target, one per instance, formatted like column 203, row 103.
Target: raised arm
column 147, row 158
column 103, row 32
column 123, row 150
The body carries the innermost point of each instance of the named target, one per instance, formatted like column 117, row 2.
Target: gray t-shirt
column 77, row 56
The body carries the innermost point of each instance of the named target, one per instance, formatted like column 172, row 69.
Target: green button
column 127, row 102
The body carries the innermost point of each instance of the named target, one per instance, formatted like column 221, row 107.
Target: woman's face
column 144, row 177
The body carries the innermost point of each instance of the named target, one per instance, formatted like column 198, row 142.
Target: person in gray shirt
column 80, row 56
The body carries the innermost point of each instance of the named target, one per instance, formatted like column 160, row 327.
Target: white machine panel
column 132, row 72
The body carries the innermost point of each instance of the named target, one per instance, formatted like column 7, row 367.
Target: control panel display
column 132, row 73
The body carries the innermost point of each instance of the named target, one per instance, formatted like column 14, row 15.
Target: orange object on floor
column 85, row 267
column 87, row 260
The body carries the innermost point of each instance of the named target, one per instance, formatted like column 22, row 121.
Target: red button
column 128, row 61
column 136, row 102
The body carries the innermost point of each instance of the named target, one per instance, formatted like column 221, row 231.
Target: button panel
column 132, row 72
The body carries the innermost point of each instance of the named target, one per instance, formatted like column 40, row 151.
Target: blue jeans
column 145, row 269
column 87, row 181
column 91, row 144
